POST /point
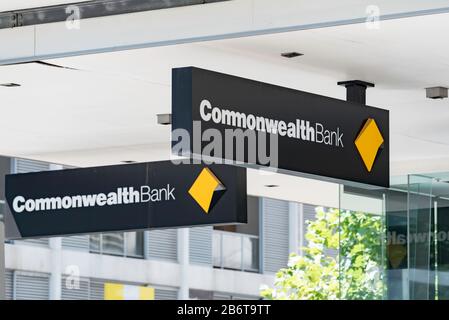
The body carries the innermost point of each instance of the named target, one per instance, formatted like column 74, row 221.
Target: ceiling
column 101, row 109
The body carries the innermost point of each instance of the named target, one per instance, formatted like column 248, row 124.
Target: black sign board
column 316, row 136
column 124, row 198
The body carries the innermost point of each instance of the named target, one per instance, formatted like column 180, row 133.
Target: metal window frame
column 134, row 256
column 91, row 9
column 124, row 253
column 242, row 237
column 109, row 253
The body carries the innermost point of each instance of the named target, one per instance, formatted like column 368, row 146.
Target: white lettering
column 205, row 104
column 299, row 129
column 123, row 195
column 17, row 204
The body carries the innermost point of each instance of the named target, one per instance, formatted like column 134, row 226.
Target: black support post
column 356, row 90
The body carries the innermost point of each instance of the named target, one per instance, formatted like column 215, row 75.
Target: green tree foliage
column 356, row 272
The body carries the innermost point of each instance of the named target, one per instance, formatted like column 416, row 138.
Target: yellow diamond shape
column 368, row 143
column 204, row 187
column 396, row 253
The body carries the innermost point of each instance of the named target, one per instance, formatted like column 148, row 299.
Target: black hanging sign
column 124, row 198
column 314, row 135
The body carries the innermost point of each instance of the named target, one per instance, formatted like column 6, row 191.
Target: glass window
column 129, row 244
column 113, row 243
column 237, row 246
column 235, row 251
column 2, row 209
column 232, row 251
column 95, row 243
column 200, row 294
column 250, row 254
column 134, row 244
column 216, row 249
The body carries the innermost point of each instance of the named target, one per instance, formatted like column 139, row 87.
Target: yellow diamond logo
column 368, row 143
column 207, row 190
column 396, row 254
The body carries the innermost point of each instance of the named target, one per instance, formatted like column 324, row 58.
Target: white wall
column 153, row 272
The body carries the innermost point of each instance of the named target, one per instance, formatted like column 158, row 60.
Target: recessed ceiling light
column 272, row 185
column 10, row 84
column 436, row 92
column 164, row 118
column 128, row 161
column 292, row 54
